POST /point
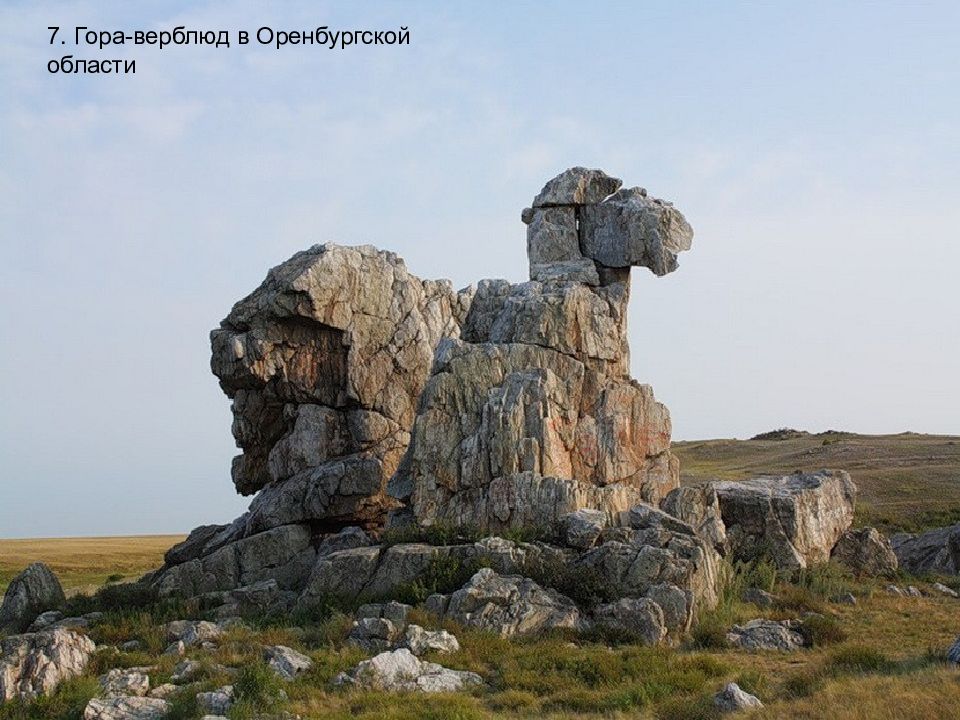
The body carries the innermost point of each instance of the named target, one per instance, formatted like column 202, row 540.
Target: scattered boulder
column 845, row 599
column 866, row 551
column 420, row 641
column 794, row 520
column 699, row 507
column 401, row 671
column 33, row 591
column 121, row 682
column 130, row 646
column 163, row 691
column 45, row 620
column 35, row 663
column 760, row 598
column 935, row 551
column 636, row 618
column 510, row 605
column 953, row 653
column 193, row 632
column 126, row 708
column 732, row 699
column 913, row 591
column 895, row 590
column 286, row 662
column 764, row 634
column 944, row 590
column 184, row 671
column 216, row 702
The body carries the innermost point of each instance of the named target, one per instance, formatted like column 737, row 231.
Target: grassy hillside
column 83, row 564
column 907, row 481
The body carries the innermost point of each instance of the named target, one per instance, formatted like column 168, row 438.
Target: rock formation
column 934, row 551
column 531, row 414
column 794, row 520
column 867, row 552
column 35, row 663
column 33, row 591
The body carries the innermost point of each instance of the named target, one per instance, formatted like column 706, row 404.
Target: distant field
column 907, row 481
column 84, row 564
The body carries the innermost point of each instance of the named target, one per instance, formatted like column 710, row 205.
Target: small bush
column 710, row 633
column 753, row 681
column 66, row 703
column 444, row 574
column 860, row 659
column 258, row 687
column 820, row 630
column 686, row 708
column 587, row 587
column 802, row 684
column 115, row 577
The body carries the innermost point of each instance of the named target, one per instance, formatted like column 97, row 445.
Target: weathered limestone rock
column 637, row 618
column 284, row 554
column 373, row 634
column 867, row 552
column 577, row 186
column 510, row 605
column 581, row 528
column 765, row 635
column 795, row 520
column 631, row 228
column 953, row 653
column 324, row 362
column 664, row 560
column 944, row 590
column 35, row 663
column 935, row 551
column 399, row 670
column 193, row 632
column 532, row 414
column 30, row 593
column 126, row 708
column 286, row 662
column 699, row 507
column 45, row 620
column 760, row 598
column 121, row 682
column 733, row 699
column 517, row 435
column 216, row 702
column 420, row 641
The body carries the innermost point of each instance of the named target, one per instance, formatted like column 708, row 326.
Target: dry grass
column 84, row 564
column 907, row 481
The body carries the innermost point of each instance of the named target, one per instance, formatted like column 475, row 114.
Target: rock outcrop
column 401, row 671
column 763, row 634
column 793, row 520
column 866, row 551
column 935, row 551
column 30, row 593
column 35, row 663
column 531, row 414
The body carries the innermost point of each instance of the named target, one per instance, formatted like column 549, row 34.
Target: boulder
column 760, row 598
column 867, row 552
column 944, row 590
column 30, row 593
column 793, row 520
column 733, row 699
column 286, row 662
column 401, row 671
column 185, row 670
column 632, row 228
column 193, row 632
column 509, row 605
column 953, row 653
column 661, row 558
column 935, row 551
column 35, row 663
column 699, row 507
column 45, row 620
column 324, row 362
column 216, row 702
column 581, row 528
column 420, row 641
column 764, row 634
column 639, row 619
column 126, row 708
column 373, row 634
column 577, row 186
column 120, row 682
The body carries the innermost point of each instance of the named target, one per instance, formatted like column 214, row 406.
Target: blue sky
column 814, row 147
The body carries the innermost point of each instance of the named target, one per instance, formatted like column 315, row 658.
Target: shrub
column 861, row 659
column 802, row 684
column 444, row 574
column 753, row 681
column 257, row 687
column 585, row 586
column 710, row 633
column 66, row 703
column 820, row 630
column 700, row 707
